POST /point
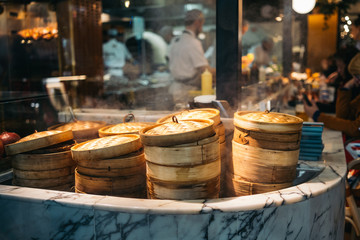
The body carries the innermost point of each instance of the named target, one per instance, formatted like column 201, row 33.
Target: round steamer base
column 183, row 191
column 236, row 186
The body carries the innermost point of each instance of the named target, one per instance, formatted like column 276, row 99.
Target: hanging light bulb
column 127, row 3
column 303, row 6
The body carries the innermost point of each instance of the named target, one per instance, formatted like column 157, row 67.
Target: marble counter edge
column 334, row 170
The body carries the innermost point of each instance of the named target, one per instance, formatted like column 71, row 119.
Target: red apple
column 9, row 137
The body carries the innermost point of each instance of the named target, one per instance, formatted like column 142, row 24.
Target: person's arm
column 347, row 125
column 343, row 109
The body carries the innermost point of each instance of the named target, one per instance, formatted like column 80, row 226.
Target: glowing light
column 349, row 22
column 346, row 28
column 105, row 17
column 37, row 33
column 303, row 6
column 278, row 18
column 347, row 18
column 201, row 36
column 127, row 3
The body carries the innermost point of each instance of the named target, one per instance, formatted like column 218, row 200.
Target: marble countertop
column 332, row 169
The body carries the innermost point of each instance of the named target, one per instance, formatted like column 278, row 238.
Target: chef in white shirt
column 115, row 55
column 186, row 58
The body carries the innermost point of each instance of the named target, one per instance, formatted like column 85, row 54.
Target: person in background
column 262, row 52
column 347, row 119
column 186, row 58
column 328, row 66
column 115, row 55
column 166, row 32
column 355, row 32
column 336, row 79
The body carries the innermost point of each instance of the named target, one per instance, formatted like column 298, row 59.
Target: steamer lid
column 106, row 147
column 200, row 113
column 178, row 132
column 268, row 117
column 38, row 140
column 123, row 128
column 79, row 125
column 267, row 121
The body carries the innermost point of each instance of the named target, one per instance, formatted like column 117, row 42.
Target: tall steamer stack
column 182, row 159
column 265, row 152
column 206, row 113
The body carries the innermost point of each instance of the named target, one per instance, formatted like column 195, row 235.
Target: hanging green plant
column 329, row 7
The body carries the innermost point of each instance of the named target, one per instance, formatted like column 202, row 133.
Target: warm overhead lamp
column 303, row 6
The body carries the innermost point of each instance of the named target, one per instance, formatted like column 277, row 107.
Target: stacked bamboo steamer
column 182, row 159
column 82, row 130
column 265, row 152
column 43, row 160
column 112, row 165
column 206, row 113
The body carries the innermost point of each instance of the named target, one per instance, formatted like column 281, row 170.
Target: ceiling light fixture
column 303, row 6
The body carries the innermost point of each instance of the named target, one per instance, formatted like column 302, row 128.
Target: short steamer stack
column 265, row 152
column 43, row 160
column 113, row 165
column 182, row 159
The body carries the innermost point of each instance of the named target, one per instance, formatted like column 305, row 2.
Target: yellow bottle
column 206, row 83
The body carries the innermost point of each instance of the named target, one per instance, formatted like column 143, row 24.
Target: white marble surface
column 310, row 210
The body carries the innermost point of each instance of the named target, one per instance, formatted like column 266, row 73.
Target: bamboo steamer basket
column 199, row 113
column 196, row 153
column 106, row 147
column 236, row 186
column 47, row 183
column 38, row 140
column 82, row 130
column 123, row 128
column 45, row 170
column 112, row 172
column 53, row 173
column 130, row 186
column 181, row 191
column 121, row 175
column 266, row 140
column 185, row 171
column 267, row 122
column 42, row 162
column 177, row 132
column 265, row 146
column 183, row 174
column 263, row 165
column 133, row 159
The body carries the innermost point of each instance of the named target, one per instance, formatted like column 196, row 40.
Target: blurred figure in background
column 336, row 80
column 355, row 32
column 262, row 52
column 166, row 32
column 115, row 55
column 186, row 58
column 347, row 118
